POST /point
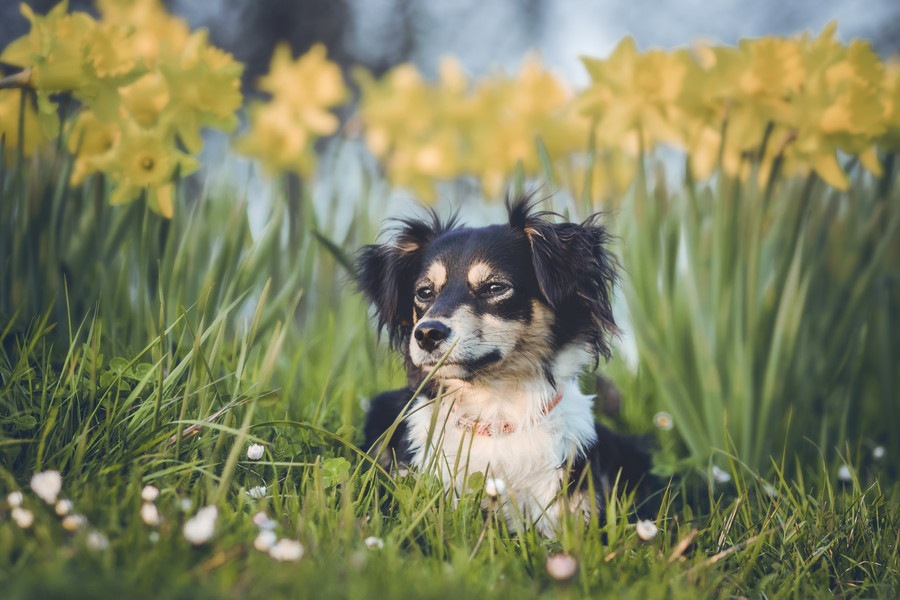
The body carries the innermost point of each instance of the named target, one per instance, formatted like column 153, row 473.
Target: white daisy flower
column 153, row 537
column 255, row 451
column 878, row 452
column 47, row 485
column 14, row 499
column 200, row 528
column 150, row 493
column 63, row 507
column 97, row 541
column 265, row 540
column 263, row 521
column 720, row 476
column 646, row 530
column 561, row 566
column 494, row 487
column 844, row 473
column 185, row 504
column 287, row 551
column 23, row 517
column 74, row 522
column 663, row 420
column 150, row 514
column 374, row 543
column 257, row 492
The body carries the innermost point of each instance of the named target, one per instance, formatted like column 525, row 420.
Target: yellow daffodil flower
column 204, row 87
column 157, row 35
column 277, row 139
column 312, row 85
column 10, row 114
column 631, row 92
column 283, row 131
column 91, row 141
column 145, row 160
column 146, row 99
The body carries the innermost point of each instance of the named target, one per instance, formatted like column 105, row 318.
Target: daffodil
column 52, row 55
column 204, row 86
column 397, row 108
column 11, row 111
column 631, row 92
column 70, row 52
column 512, row 115
column 90, row 142
column 157, row 35
column 277, row 140
column 839, row 108
column 145, row 160
column 283, row 131
column 740, row 92
column 53, row 48
column 146, row 98
column 311, row 85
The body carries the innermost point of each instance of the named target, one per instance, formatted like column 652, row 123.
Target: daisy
column 287, row 551
column 47, row 485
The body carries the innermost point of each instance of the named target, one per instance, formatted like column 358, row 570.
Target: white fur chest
column 531, row 459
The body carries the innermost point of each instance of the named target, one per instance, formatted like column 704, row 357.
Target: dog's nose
column 429, row 334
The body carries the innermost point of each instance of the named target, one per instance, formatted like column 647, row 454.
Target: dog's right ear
column 386, row 274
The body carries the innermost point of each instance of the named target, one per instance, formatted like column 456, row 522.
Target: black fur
column 384, row 413
column 386, row 273
column 564, row 266
column 575, row 272
column 618, row 461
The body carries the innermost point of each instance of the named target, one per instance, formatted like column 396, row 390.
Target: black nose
column 429, row 334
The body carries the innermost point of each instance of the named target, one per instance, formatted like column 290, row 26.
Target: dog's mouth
column 461, row 368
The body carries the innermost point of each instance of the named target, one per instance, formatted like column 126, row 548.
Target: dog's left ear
column 386, row 273
column 575, row 271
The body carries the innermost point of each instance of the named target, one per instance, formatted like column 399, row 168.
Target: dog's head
column 503, row 301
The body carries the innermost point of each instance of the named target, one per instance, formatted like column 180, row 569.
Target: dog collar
column 503, row 427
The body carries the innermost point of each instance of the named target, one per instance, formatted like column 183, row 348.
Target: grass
column 121, row 381
column 807, row 537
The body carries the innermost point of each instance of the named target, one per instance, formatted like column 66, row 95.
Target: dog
column 496, row 324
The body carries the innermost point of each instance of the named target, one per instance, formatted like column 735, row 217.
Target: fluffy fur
column 496, row 324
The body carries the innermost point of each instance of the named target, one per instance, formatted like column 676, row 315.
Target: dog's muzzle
column 429, row 334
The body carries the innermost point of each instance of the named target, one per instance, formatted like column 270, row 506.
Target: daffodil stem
column 294, row 190
column 22, row 79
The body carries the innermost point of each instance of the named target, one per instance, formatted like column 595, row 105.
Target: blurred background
column 379, row 34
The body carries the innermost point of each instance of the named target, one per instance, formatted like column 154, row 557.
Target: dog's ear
column 386, row 274
column 575, row 272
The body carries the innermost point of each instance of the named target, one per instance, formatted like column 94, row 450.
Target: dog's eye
column 425, row 293
column 494, row 288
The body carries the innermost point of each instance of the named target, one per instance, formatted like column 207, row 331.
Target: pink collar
column 492, row 429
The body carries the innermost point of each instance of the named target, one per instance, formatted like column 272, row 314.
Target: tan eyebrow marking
column 437, row 274
column 479, row 273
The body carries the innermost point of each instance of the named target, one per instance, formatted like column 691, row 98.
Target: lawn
column 185, row 364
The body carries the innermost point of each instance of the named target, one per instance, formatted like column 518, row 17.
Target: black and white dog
column 499, row 322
